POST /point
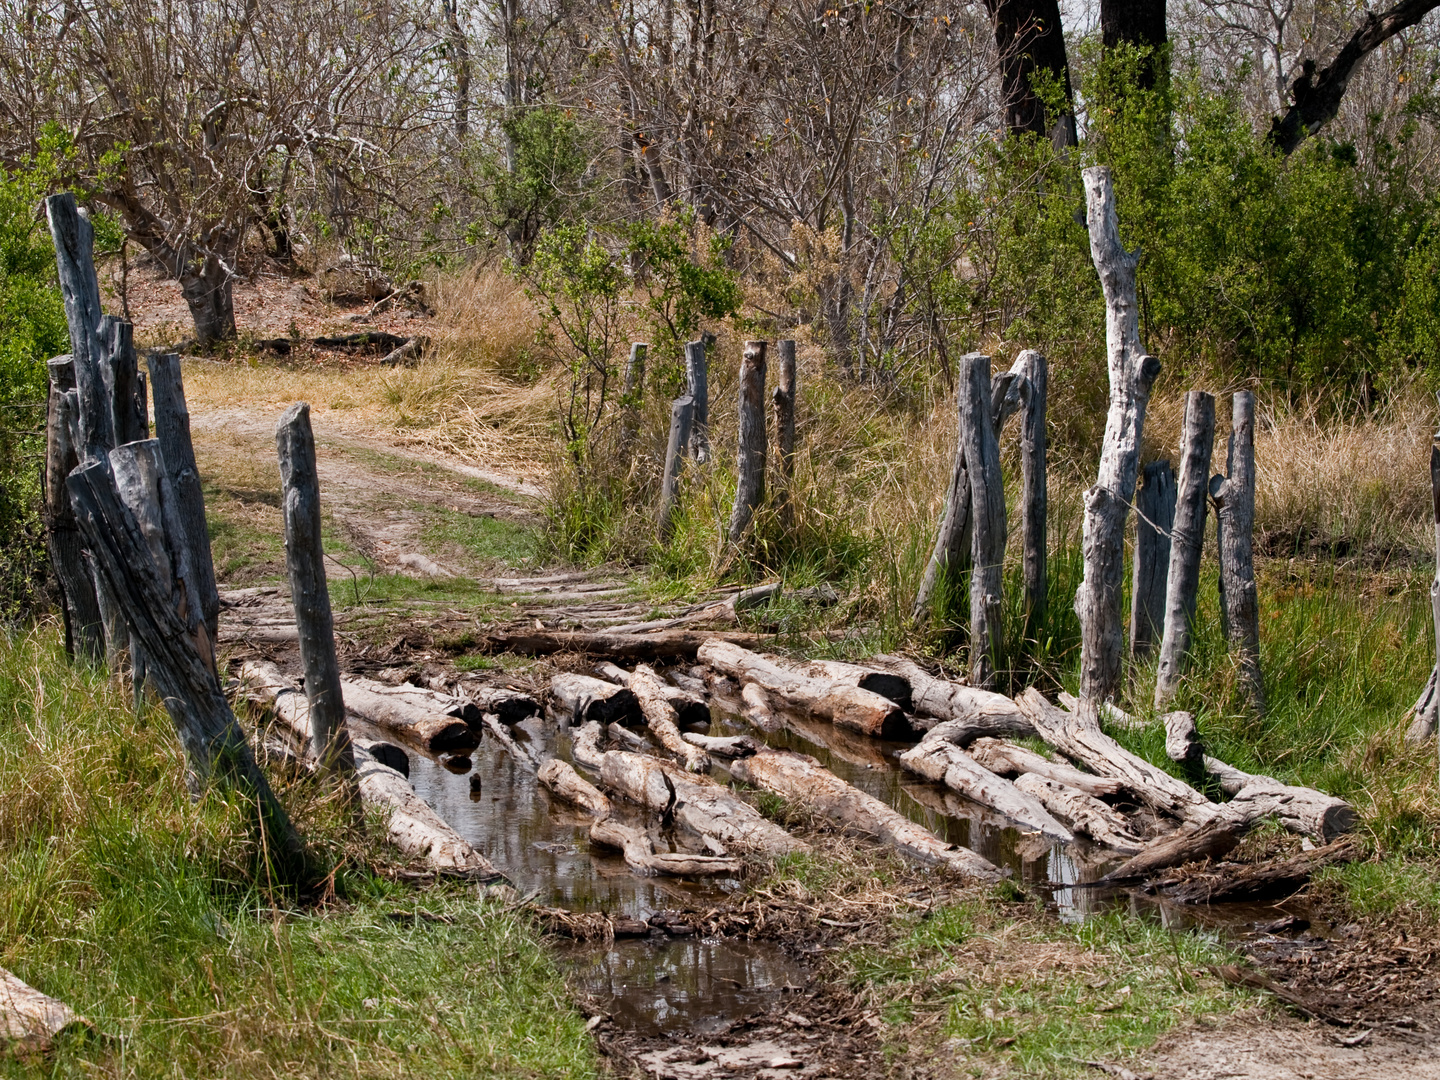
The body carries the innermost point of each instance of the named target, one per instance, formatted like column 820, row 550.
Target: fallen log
column 385, row 753
column 585, row 746
column 522, row 755
column 1214, row 839
column 839, row 742
column 667, row 643
column 1008, row 759
column 662, row 719
column 1085, row 813
column 561, row 779
column 1082, row 741
column 726, row 746
column 690, row 708
column 510, row 706
column 410, row 824
column 801, row 779
column 30, row 1020
column 624, row 735
column 945, row 763
column 430, row 730
column 887, row 684
column 848, row 706
column 980, row 711
column 759, row 710
column 1301, row 810
column 640, row 853
column 1110, row 713
column 583, row 699
column 1236, row 883
column 1182, row 741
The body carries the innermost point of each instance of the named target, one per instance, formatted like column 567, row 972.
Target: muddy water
column 659, row 984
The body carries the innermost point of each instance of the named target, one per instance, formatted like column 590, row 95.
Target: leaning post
column 682, row 415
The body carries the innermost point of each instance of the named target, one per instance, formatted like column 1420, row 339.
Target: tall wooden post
column 1132, row 372
column 634, row 387
column 750, row 463
column 1435, row 585
column 1187, row 542
column 697, row 383
column 74, row 263
column 1234, row 497
column 84, row 635
column 309, row 593
column 987, row 498
column 783, row 404
column 1034, row 496
column 1154, row 518
column 682, row 415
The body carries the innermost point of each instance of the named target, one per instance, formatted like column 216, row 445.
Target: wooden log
column 1008, row 759
column 662, row 719
column 759, row 709
column 750, row 456
column 213, row 742
column 1109, row 713
column 121, row 373
column 461, row 708
column 1192, row 842
column 1241, row 883
column 697, row 388
column 1301, row 810
column 425, row 728
column 726, row 746
column 74, row 241
column 1085, row 813
column 510, row 706
column 801, row 779
column 1187, row 540
column 987, row 531
column 945, row 763
column 385, row 753
column 1182, row 741
column 263, row 683
column 416, row 829
column 562, row 781
column 1425, row 713
column 1154, row 518
column 682, row 419
column 84, row 634
column 1107, row 504
column 172, row 428
column 627, row 737
column 1078, row 737
column 585, row 699
column 1234, row 496
column 30, row 1021
column 695, row 803
column 640, row 853
column 848, row 706
column 688, row 705
column 974, row 712
column 888, row 684
column 1034, row 495
column 585, row 746
column 782, row 401
column 522, row 754
column 309, row 593
column 682, row 644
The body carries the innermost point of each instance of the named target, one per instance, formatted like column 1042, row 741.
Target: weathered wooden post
column 1033, row 489
column 126, row 385
column 697, row 384
column 682, row 415
column 750, row 463
column 1107, row 504
column 633, row 388
column 305, row 561
column 1234, row 496
column 783, row 404
column 1187, row 542
column 1435, row 504
column 84, row 634
column 172, row 428
column 1154, row 519
column 75, row 265
column 987, row 498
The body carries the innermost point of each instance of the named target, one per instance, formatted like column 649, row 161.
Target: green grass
column 143, row 910
column 486, row 538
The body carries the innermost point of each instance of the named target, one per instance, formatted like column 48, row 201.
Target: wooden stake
column 987, row 497
column 697, row 386
column 1234, row 497
column 750, row 464
column 1107, row 504
column 1187, row 541
column 84, row 635
column 1034, row 494
column 1154, row 518
column 783, row 405
column 74, row 263
column 1435, row 502
column 682, row 417
column 309, row 593
column 633, row 390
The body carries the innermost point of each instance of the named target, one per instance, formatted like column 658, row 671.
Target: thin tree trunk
column 1107, row 504
column 1234, row 497
column 1187, row 542
column 1034, row 496
column 682, row 418
column 1031, row 42
column 1154, row 518
column 633, row 391
column 207, row 288
column 750, row 464
column 74, row 262
column 987, row 498
column 309, row 593
column 783, row 404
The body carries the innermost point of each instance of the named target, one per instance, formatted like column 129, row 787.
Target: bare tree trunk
column 1107, row 504
column 783, row 403
column 1034, row 497
column 207, row 288
column 1187, row 542
column 1234, row 497
column 1155, row 515
column 987, row 497
column 459, row 47
column 750, row 464
column 309, row 593
column 1031, row 41
column 682, row 417
column 697, row 384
